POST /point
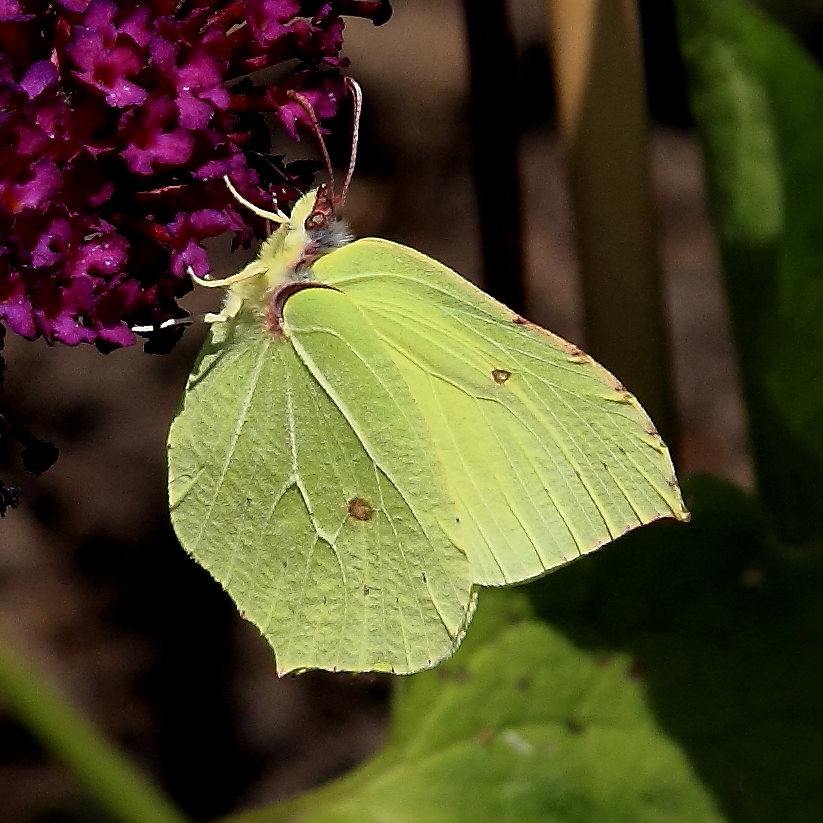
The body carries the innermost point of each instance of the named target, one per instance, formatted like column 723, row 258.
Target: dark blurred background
column 93, row 585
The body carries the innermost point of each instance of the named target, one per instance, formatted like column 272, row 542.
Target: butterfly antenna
column 357, row 107
column 318, row 132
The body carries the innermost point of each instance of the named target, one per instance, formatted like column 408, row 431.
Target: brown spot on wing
column 500, row 375
column 360, row 509
column 570, row 348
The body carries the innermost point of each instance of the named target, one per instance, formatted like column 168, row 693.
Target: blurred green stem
column 116, row 784
column 604, row 126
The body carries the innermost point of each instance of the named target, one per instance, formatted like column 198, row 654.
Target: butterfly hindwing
column 323, row 515
column 546, row 455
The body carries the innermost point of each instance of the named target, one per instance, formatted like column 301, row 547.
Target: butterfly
column 366, row 438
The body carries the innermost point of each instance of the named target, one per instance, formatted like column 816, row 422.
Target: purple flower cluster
column 118, row 121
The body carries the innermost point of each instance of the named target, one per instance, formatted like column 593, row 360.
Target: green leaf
column 757, row 99
column 725, row 628
column 521, row 725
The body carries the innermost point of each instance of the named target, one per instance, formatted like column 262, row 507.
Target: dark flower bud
column 9, row 498
column 39, row 456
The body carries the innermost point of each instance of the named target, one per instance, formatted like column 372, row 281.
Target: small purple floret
column 117, row 124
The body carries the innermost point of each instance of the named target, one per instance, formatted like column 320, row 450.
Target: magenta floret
column 117, row 124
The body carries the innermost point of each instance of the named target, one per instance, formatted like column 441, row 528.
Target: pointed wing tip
column 677, row 513
column 677, row 509
column 683, row 515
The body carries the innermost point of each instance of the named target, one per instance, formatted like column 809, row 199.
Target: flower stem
column 603, row 123
column 112, row 779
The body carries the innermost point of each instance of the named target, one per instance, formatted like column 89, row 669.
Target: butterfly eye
column 316, row 220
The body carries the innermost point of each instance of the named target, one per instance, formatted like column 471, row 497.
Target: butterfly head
column 314, row 229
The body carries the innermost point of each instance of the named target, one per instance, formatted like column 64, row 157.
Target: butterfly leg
column 231, row 305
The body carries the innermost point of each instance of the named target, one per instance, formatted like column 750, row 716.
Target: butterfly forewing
column 547, row 456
